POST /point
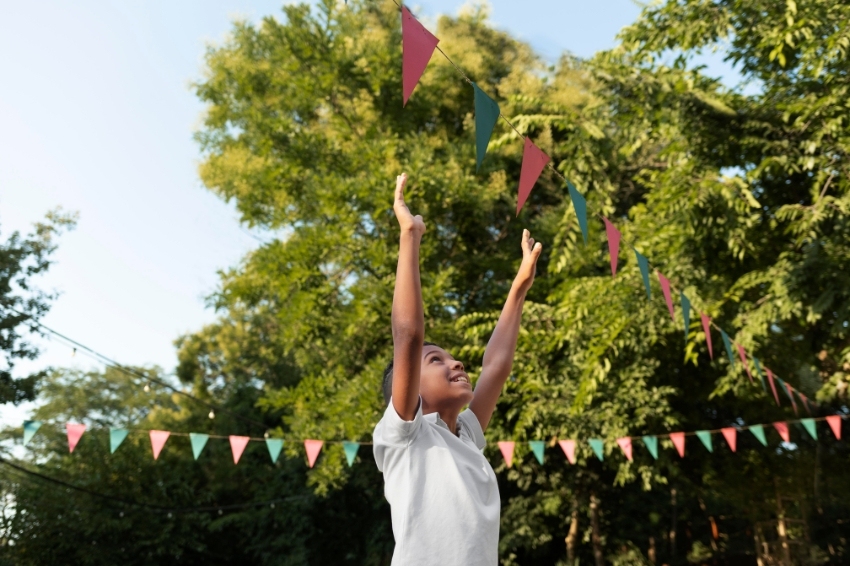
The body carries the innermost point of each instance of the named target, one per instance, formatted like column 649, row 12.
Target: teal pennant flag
column 580, row 206
column 651, row 443
column 644, row 272
column 351, row 449
column 116, row 437
column 30, row 428
column 275, row 445
column 705, row 437
column 198, row 442
column 809, row 425
column 686, row 313
column 537, row 447
column 761, row 373
column 758, row 432
column 486, row 116
column 598, row 447
column 728, row 344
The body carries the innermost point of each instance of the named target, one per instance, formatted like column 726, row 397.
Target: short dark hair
column 388, row 376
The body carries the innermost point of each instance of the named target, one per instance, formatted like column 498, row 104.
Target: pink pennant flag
column 569, row 448
column 626, row 446
column 805, row 402
column 533, row 163
column 743, row 355
column 75, row 432
column 731, row 436
column 507, row 448
column 782, row 429
column 835, row 424
column 158, row 438
column 790, row 391
column 678, row 439
column 313, row 447
column 772, row 384
column 418, row 45
column 706, row 327
column 237, row 446
column 613, row 244
column 665, row 288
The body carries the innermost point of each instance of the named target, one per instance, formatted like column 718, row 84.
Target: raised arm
column 408, row 319
column 499, row 355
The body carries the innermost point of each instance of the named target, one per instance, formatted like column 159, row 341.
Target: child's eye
column 434, row 358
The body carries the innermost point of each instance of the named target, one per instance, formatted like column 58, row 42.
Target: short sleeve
column 471, row 428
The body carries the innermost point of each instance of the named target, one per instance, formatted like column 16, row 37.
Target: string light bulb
column 147, row 387
column 212, row 414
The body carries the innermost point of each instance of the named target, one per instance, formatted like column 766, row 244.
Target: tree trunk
column 780, row 527
column 596, row 536
column 673, row 522
column 651, row 552
column 572, row 535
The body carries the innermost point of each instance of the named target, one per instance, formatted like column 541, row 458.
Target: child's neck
column 448, row 416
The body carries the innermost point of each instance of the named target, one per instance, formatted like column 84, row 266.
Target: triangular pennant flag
column 743, row 355
column 486, row 116
column 580, row 206
column 614, row 237
column 537, row 447
column 275, row 445
column 418, row 45
column 507, row 449
column 731, row 436
column 351, row 449
column 728, row 344
column 761, row 373
column 626, row 446
column 30, row 428
column 782, row 429
column 75, row 432
column 116, row 437
column 569, row 448
column 665, row 288
column 198, row 441
column 805, row 401
column 835, row 424
column 758, row 432
column 237, row 446
column 651, row 443
column 598, row 447
column 787, row 389
column 811, row 428
column 686, row 313
column 533, row 163
column 705, row 437
column 772, row 385
column 313, row 447
column 706, row 329
column 158, row 438
column 678, row 439
column 643, row 264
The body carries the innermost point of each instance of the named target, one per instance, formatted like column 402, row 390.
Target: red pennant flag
column 569, row 448
column 790, row 391
column 158, row 438
column 731, row 436
column 772, row 385
column 626, row 446
column 665, row 288
column 743, row 355
column 533, row 163
column 835, row 424
column 418, row 45
column 805, row 402
column 678, row 439
column 613, row 244
column 782, row 429
column 237, row 446
column 313, row 447
column 75, row 432
column 706, row 327
column 507, row 448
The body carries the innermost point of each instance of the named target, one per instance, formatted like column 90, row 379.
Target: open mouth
column 460, row 378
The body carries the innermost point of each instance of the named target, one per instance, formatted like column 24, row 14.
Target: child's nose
column 457, row 364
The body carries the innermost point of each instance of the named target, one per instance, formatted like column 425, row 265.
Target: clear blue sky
column 97, row 117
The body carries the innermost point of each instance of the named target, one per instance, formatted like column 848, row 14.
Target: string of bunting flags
column 418, row 46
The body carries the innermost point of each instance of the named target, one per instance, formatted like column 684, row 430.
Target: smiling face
column 443, row 384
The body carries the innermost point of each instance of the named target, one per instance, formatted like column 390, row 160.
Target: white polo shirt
column 442, row 491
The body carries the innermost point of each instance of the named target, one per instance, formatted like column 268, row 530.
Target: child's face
column 443, row 384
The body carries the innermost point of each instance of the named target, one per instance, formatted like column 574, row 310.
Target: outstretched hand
column 528, row 267
column 406, row 220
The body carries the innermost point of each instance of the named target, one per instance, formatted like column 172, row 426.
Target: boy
column 442, row 491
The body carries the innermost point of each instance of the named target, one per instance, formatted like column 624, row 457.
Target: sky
column 97, row 116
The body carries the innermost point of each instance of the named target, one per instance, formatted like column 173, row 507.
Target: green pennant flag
column 351, row 449
column 785, row 389
column 597, row 445
column 537, row 447
column 275, row 445
column 811, row 428
column 761, row 373
column 198, row 442
column 644, row 272
column 30, row 428
column 758, row 432
column 651, row 443
column 116, row 437
column 486, row 116
column 728, row 344
column 705, row 437
column 686, row 313
column 580, row 206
